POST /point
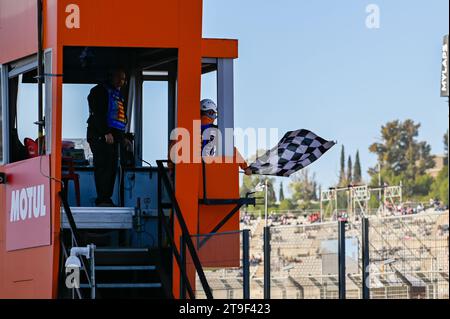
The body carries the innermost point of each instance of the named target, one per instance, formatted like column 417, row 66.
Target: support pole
column 183, row 262
column 161, row 212
column 40, row 77
column 341, row 258
column 336, row 203
column 266, row 262
column 93, row 284
column 246, row 262
column 379, row 182
column 265, row 203
column 321, row 208
column 365, row 258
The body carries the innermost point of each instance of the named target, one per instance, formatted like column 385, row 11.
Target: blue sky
column 314, row 64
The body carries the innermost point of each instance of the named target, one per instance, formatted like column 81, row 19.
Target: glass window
column 155, row 121
column 75, row 115
column 27, row 109
column 209, row 86
column 23, row 112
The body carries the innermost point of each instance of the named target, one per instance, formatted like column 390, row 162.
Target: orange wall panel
column 222, row 182
column 189, row 84
column 25, row 273
column 133, row 23
column 18, row 29
column 137, row 23
column 220, row 48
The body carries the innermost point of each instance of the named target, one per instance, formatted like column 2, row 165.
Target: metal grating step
column 100, row 217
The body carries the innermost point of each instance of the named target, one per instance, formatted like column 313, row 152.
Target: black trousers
column 105, row 168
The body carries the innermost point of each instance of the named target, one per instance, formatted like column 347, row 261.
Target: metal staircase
column 114, row 272
column 127, row 273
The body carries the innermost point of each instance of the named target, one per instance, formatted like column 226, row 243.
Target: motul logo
column 27, row 203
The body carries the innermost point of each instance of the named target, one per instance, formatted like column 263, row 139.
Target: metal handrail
column 76, row 240
column 185, row 232
column 178, row 256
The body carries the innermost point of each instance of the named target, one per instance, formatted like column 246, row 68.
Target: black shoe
column 108, row 203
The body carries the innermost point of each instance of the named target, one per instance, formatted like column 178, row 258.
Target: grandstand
column 409, row 259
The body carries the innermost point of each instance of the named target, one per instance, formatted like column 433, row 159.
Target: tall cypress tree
column 281, row 193
column 349, row 170
column 357, row 176
column 342, row 172
column 314, row 197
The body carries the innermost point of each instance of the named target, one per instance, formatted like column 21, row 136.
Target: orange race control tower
column 149, row 245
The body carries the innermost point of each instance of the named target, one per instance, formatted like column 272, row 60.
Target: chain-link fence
column 408, row 257
column 224, row 264
column 304, row 261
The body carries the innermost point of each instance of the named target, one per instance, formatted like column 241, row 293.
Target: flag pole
column 265, row 202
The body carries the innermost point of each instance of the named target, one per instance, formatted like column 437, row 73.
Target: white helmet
column 207, row 105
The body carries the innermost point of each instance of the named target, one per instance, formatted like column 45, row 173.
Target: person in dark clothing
column 105, row 133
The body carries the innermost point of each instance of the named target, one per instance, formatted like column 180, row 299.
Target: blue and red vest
column 117, row 118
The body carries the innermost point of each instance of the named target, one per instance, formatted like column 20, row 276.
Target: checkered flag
column 295, row 151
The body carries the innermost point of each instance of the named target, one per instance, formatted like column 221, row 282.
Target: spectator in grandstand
column 419, row 208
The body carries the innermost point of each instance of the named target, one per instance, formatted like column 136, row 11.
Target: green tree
column 357, row 176
column 439, row 189
column 342, row 172
column 286, row 204
column 403, row 158
column 446, row 148
column 304, row 188
column 281, row 193
column 349, row 171
column 315, row 195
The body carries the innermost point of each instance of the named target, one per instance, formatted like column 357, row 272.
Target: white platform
column 100, row 217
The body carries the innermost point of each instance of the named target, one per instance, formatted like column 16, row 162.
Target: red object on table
column 71, row 176
column 32, row 147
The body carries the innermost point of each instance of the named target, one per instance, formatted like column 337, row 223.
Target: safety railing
column 87, row 266
column 226, row 259
column 163, row 180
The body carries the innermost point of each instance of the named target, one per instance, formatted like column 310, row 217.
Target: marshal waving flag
column 296, row 150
